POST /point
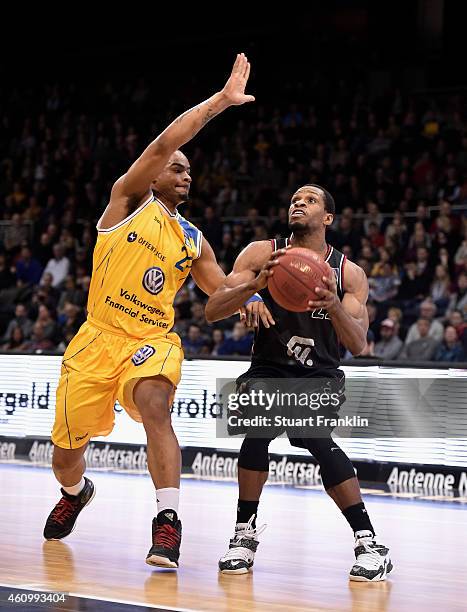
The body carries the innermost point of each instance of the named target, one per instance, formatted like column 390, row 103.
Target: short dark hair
column 329, row 204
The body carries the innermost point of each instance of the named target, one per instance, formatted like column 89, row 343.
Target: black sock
column 358, row 518
column 245, row 509
column 167, row 517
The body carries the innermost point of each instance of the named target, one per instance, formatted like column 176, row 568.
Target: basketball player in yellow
column 126, row 350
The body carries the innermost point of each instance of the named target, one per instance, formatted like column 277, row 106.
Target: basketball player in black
column 300, row 346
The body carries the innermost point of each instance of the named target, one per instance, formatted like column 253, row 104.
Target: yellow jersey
column 138, row 267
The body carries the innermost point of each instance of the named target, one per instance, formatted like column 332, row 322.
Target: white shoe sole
column 158, row 561
column 240, row 570
column 377, row 579
column 74, row 526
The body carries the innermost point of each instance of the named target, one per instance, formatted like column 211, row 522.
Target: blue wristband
column 254, row 298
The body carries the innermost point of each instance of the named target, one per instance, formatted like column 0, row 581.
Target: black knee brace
column 334, row 464
column 254, row 454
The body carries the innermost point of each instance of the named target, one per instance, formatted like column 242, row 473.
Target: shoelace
column 166, row 536
column 63, row 510
column 371, row 556
column 237, row 551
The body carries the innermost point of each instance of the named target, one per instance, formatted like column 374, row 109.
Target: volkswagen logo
column 153, row 280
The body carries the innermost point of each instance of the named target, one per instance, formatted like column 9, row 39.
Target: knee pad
column 334, row 464
column 254, row 454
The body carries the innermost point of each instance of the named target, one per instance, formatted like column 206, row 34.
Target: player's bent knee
column 335, row 466
column 254, row 454
column 153, row 397
column 155, row 411
column 155, row 415
column 67, row 459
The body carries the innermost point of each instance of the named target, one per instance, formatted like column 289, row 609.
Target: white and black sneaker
column 241, row 554
column 372, row 559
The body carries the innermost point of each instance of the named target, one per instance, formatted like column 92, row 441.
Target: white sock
column 167, row 499
column 75, row 489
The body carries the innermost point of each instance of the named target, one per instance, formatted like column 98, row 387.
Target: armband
column 254, row 298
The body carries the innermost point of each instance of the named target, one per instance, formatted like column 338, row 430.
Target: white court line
column 30, row 587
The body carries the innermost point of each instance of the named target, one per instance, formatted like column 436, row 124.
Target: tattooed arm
column 131, row 189
column 137, row 180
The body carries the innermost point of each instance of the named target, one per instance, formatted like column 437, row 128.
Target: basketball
column 295, row 277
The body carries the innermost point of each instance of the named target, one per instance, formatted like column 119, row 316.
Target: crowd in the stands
column 396, row 166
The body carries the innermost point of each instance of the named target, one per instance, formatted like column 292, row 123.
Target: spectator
column 7, row 278
column 218, row 338
column 345, row 234
column 280, row 227
column 373, row 216
column 440, row 287
column 390, row 344
column 456, row 320
column 397, row 230
column 459, row 299
column 239, row 343
column 38, row 341
column 71, row 293
column 375, row 236
column 28, row 269
column 413, row 285
column 194, row 343
column 47, row 285
column 384, row 286
column 427, row 311
column 58, row 266
column 70, row 320
column 422, row 216
column 212, row 227
column 15, row 234
column 198, row 318
column 252, row 221
column 450, row 188
column 47, row 322
column 424, row 347
column 21, row 320
column 420, row 238
column 461, row 254
column 260, row 232
column 227, row 253
column 451, row 349
column 238, row 237
column 372, row 311
column 395, row 314
column 15, row 340
column 44, row 250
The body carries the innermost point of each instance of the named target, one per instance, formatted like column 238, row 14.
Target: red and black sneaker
column 166, row 538
column 61, row 521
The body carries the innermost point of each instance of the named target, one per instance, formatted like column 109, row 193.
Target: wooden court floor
column 301, row 564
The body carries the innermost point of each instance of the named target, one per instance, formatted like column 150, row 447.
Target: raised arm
column 134, row 186
column 249, row 275
column 349, row 317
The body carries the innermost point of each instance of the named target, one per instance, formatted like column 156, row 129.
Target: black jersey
column 304, row 339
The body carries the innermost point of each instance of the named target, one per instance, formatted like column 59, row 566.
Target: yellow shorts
column 99, row 367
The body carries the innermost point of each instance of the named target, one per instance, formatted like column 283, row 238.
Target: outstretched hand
column 234, row 89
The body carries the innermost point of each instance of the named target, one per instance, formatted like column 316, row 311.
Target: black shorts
column 304, row 400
